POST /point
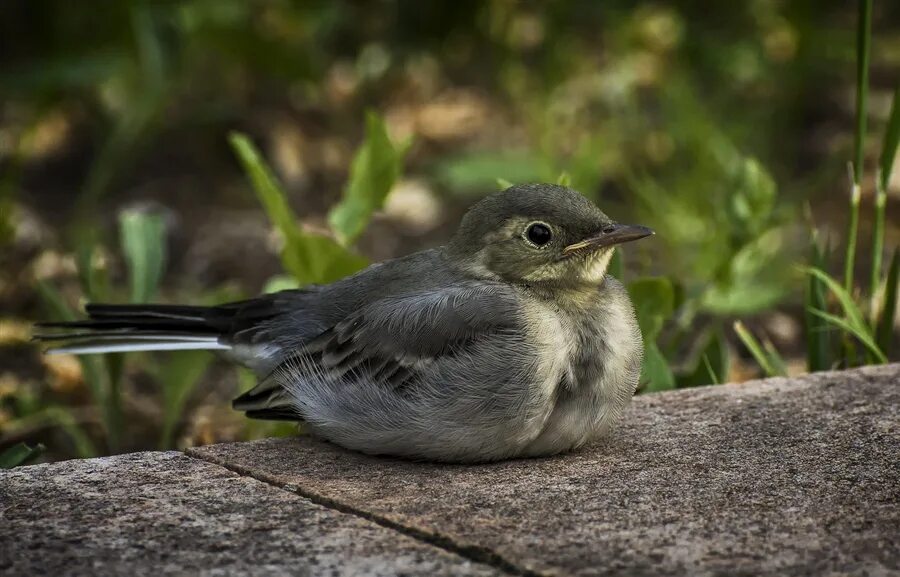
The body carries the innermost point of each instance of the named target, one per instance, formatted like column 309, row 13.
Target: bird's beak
column 612, row 234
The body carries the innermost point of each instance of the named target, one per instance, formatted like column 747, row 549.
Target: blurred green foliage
column 19, row 454
column 680, row 116
column 855, row 327
column 309, row 257
column 313, row 258
column 372, row 175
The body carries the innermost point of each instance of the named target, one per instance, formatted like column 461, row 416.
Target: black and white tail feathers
column 122, row 328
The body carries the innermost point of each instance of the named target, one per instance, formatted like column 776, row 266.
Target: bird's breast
column 596, row 353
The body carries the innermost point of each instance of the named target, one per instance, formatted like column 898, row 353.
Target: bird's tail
column 123, row 328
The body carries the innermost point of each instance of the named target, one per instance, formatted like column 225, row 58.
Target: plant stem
column 877, row 247
column 863, row 44
column 852, row 231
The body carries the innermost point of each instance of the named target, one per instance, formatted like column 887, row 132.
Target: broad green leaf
column 891, row 139
column 280, row 282
column 772, row 367
column 754, row 278
column 267, row 187
column 655, row 371
column 323, row 260
column 310, row 258
column 19, row 454
column 143, row 244
column 564, row 179
column 884, row 330
column 374, row 170
column 654, row 303
column 477, row 171
column 179, row 376
column 753, row 196
column 862, row 335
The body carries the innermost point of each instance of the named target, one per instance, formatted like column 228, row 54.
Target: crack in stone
column 473, row 553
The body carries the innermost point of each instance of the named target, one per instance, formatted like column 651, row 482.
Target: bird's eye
column 538, row 233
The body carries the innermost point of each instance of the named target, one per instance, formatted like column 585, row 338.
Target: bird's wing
column 387, row 341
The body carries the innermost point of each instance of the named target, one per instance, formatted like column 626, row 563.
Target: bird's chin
column 594, row 264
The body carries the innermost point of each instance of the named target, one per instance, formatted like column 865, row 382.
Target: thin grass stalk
column 770, row 367
column 852, row 233
column 884, row 329
column 863, row 43
column 885, row 170
column 877, row 247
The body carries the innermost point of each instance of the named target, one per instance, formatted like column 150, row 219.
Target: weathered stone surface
column 777, row 477
column 166, row 513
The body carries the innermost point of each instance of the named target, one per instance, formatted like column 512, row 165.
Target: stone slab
column 776, row 477
column 169, row 514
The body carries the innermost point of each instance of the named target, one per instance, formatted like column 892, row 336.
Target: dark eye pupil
column 539, row 234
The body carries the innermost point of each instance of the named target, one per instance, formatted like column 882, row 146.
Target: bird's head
column 539, row 234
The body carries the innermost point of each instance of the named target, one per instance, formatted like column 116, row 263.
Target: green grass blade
column 268, row 189
column 564, row 179
column 309, row 258
column 891, row 140
column 851, row 310
column 143, row 241
column 860, row 333
column 713, row 377
column 143, row 244
column 712, row 364
column 884, row 329
column 54, row 305
column 877, row 241
column 886, row 167
column 852, row 234
column 19, row 454
column 769, row 367
column 818, row 340
column 775, row 357
column 863, row 44
column 374, row 170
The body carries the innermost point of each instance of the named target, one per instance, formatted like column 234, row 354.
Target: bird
column 510, row 341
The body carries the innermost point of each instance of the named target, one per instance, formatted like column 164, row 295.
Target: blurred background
column 138, row 138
